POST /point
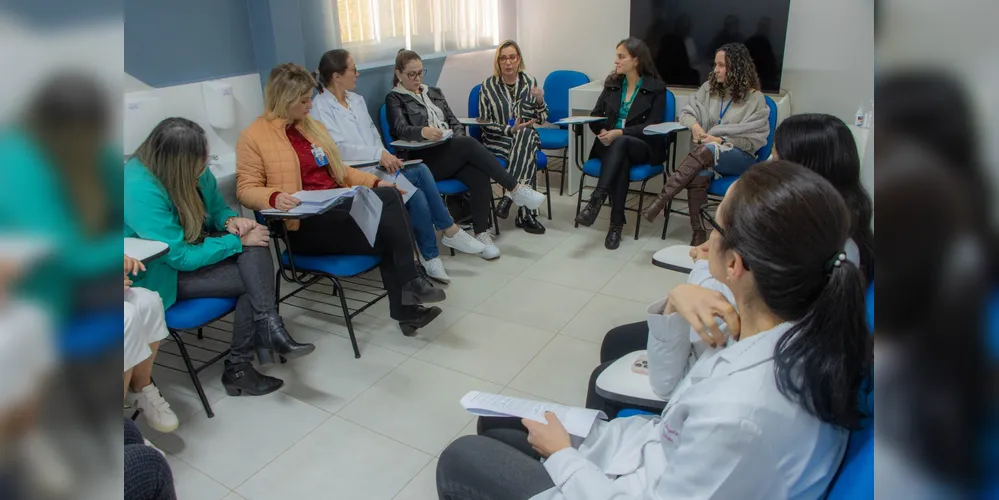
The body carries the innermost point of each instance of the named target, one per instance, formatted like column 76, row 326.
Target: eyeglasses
column 512, row 58
column 711, row 221
column 413, row 74
column 354, row 70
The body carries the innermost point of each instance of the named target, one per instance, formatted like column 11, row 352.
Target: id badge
column 320, row 156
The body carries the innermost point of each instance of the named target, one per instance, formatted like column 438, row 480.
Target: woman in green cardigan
column 171, row 196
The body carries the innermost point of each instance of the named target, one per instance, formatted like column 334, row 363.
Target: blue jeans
column 426, row 210
column 732, row 162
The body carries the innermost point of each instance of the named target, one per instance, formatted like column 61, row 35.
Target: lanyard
column 624, row 92
column 723, row 111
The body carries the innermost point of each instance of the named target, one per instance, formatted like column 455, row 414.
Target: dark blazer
column 407, row 116
column 648, row 108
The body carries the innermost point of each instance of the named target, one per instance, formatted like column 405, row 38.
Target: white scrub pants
column 144, row 324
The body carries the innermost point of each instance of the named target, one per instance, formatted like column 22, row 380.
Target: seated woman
column 510, row 104
column 633, row 98
column 820, row 143
column 145, row 327
column 285, row 151
column 766, row 417
column 346, row 118
column 417, row 112
column 147, row 472
column 728, row 118
column 171, row 196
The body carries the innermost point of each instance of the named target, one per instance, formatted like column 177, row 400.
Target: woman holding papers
column 633, row 98
column 346, row 118
column 510, row 104
column 765, row 417
column 417, row 112
column 171, row 196
column 728, row 118
column 285, row 151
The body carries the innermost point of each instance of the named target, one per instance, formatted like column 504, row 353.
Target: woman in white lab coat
column 346, row 117
column 766, row 417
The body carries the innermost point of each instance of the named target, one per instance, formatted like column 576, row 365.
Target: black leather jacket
column 407, row 116
column 647, row 108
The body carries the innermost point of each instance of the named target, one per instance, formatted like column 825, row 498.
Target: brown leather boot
column 697, row 196
column 698, row 159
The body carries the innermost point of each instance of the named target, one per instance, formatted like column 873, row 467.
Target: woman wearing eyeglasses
column 510, row 104
column 418, row 112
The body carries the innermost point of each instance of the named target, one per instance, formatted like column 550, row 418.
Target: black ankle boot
column 503, row 208
column 613, row 239
column 588, row 215
column 421, row 291
column 241, row 378
column 422, row 318
column 273, row 338
column 528, row 222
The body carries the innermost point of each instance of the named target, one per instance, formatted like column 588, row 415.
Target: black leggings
column 615, row 171
column 335, row 232
column 617, row 343
column 468, row 161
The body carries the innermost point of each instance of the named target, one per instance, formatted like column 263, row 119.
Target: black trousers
column 147, row 473
column 615, row 169
column 467, row 160
column 617, row 343
column 335, row 232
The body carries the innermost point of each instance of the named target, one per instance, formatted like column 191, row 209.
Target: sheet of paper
column 144, row 249
column 312, row 207
column 399, row 180
column 570, row 120
column 663, row 128
column 448, row 134
column 322, row 196
column 367, row 212
column 360, row 163
column 412, row 162
column 578, row 421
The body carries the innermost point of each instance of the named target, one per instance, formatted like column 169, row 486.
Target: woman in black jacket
column 418, row 112
column 634, row 97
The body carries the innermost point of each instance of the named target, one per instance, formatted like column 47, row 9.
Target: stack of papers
column 572, row 120
column 663, row 128
column 577, row 421
column 314, row 202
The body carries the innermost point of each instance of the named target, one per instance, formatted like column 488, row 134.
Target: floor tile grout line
column 279, row 455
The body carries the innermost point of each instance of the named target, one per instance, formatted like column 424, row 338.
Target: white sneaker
column 155, row 409
column 524, row 196
column 491, row 251
column 463, row 242
column 435, row 270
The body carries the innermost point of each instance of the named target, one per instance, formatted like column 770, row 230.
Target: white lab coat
column 726, row 433
column 355, row 135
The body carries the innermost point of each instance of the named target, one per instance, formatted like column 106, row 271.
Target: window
column 374, row 30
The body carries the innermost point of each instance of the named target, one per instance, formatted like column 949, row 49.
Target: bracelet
column 227, row 221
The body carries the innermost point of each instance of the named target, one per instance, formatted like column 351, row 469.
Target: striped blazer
column 496, row 108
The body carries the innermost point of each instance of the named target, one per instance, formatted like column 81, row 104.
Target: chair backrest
column 386, row 130
column 473, row 110
column 670, row 106
column 764, row 152
column 556, row 87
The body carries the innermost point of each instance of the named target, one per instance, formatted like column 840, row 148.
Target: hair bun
column 401, row 51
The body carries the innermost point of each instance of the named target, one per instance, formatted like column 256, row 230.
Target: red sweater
column 314, row 177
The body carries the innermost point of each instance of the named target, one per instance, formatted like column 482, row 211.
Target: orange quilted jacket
column 266, row 163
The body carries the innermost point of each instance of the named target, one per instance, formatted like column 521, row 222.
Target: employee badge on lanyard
column 320, row 156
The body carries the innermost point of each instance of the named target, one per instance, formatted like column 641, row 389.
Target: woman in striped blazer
column 510, row 104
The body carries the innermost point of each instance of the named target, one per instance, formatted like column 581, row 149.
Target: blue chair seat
column 451, row 186
column 91, row 335
column 631, row 412
column 195, row 313
column 542, row 160
column 334, row 265
column 720, row 185
column 637, row 173
column 553, row 138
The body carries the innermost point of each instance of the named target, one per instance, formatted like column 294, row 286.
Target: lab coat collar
column 352, row 99
column 741, row 355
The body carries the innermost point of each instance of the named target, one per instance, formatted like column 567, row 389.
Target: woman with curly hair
column 728, row 122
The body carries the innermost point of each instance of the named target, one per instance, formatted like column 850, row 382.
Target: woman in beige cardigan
column 728, row 122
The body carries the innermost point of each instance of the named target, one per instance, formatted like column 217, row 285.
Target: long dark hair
column 740, row 73
column 646, row 66
column 402, row 58
column 333, row 62
column 824, row 144
column 822, row 361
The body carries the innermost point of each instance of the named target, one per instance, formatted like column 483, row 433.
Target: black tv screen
column 684, row 34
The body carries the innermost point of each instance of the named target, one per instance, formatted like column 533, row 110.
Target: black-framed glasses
column 711, row 221
column 413, row 74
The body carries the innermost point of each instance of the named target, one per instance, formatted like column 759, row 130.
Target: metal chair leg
column 192, row 372
column 638, row 215
column 548, row 193
column 201, row 334
column 346, row 317
column 565, row 163
column 277, row 291
column 579, row 196
column 492, row 204
column 669, row 210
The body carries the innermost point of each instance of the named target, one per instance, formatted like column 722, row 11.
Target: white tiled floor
column 527, row 325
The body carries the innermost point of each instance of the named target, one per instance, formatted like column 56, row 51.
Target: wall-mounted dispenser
column 220, row 104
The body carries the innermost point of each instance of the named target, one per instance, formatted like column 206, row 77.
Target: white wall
column 460, row 73
column 828, row 63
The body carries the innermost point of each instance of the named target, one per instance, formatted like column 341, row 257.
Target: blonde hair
column 505, row 44
column 176, row 152
column 286, row 85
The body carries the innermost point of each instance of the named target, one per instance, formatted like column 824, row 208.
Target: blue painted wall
column 173, row 42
